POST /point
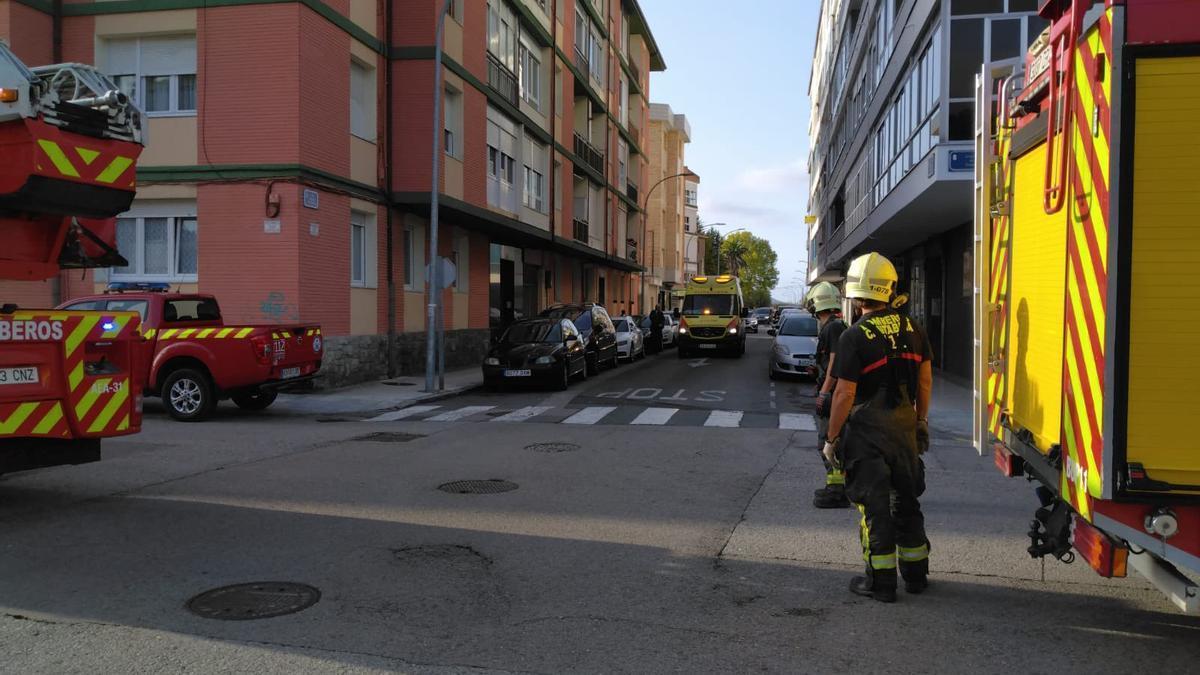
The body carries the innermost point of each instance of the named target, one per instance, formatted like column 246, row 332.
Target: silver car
column 630, row 341
column 794, row 350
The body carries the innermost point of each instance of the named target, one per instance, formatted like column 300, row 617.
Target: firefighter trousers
column 834, row 477
column 885, row 477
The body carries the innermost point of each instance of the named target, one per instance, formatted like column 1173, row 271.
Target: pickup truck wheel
column 188, row 395
column 258, row 400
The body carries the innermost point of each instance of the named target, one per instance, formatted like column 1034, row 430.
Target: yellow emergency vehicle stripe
column 206, row 332
column 186, row 332
column 168, row 334
column 124, row 423
column 52, row 418
column 286, row 335
column 17, row 418
column 75, row 376
column 81, row 331
column 223, row 333
column 106, row 414
column 244, row 332
column 119, row 323
column 58, row 157
column 148, row 333
column 114, row 170
column 89, row 399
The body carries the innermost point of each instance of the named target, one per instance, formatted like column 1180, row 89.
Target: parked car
column 631, row 343
column 670, row 331
column 751, row 324
column 550, row 351
column 786, row 312
column 793, row 352
column 191, row 358
column 596, row 327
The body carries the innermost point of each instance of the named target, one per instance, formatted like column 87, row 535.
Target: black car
column 544, row 350
column 599, row 334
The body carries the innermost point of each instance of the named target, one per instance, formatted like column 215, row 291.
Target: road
column 685, row 542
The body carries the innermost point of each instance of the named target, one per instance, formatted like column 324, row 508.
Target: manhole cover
column 552, row 447
column 388, row 437
column 260, row 600
column 477, row 487
column 400, row 384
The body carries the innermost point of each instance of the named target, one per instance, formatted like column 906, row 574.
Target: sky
column 739, row 71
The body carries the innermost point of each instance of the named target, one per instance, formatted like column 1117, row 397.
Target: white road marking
column 698, row 363
column 405, row 413
column 773, row 407
column 724, row 418
column 589, row 415
column 455, row 415
column 655, row 416
column 798, row 421
column 523, row 414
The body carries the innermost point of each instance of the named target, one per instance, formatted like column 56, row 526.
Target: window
column 502, row 34
column 358, row 248
column 453, row 123
column 409, row 257
column 535, row 190
column 531, row 76
column 1006, row 40
column 158, row 248
column 362, row 101
column 966, row 55
column 622, row 163
column 158, row 73
column 454, row 10
column 191, row 309
column 501, row 161
column 596, row 56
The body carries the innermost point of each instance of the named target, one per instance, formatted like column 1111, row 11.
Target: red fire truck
column 1087, row 250
column 69, row 143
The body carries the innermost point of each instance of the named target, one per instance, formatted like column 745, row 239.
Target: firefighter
column 825, row 303
column 878, row 429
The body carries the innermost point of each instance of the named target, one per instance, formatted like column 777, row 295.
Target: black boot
column 831, row 497
column 866, row 587
column 916, row 586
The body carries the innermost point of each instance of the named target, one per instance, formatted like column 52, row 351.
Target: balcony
column 581, row 230
column 631, row 191
column 635, row 134
column 501, row 79
column 635, row 71
column 589, row 154
column 582, row 63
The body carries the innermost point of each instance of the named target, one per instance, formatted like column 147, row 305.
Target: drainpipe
column 392, row 369
column 56, row 32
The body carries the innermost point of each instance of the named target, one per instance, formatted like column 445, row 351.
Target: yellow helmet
column 823, row 296
column 871, row 277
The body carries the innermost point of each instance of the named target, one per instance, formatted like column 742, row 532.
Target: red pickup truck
column 192, row 359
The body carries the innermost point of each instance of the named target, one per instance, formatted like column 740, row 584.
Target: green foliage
column 753, row 260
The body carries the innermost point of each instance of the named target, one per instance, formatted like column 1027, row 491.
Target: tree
column 753, row 260
column 712, row 248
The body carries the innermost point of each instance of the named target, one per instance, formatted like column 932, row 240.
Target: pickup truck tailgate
column 296, row 351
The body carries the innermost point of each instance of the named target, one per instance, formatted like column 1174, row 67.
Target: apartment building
column 892, row 161
column 693, row 241
column 665, row 210
column 288, row 166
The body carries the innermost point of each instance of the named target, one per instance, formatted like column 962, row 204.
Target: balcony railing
column 582, row 63
column 588, row 153
column 581, row 230
column 501, row 79
column 635, row 134
column 635, row 71
column 631, row 191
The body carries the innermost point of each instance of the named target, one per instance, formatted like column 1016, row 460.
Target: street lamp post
column 642, row 241
column 432, row 327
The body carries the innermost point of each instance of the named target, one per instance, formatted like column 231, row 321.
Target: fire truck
column 69, row 143
column 1086, row 331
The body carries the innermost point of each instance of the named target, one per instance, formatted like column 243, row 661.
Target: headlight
column 491, row 361
column 683, row 329
column 733, row 331
column 782, row 350
column 543, row 360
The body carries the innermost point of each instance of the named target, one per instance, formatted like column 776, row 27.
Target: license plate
column 517, row 373
column 288, row 373
column 22, row 375
column 804, row 362
column 708, row 346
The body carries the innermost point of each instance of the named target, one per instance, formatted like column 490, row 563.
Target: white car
column 794, row 349
column 630, row 343
column 670, row 330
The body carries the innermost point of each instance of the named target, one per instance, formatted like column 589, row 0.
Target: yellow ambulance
column 713, row 318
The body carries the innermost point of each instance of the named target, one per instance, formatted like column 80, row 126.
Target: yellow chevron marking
column 89, row 399
column 186, row 332
column 17, row 418
column 1084, row 86
column 75, row 376
column 244, row 332
column 81, row 331
column 118, row 326
column 119, row 398
column 56, row 155
column 124, row 423
column 168, row 334
column 88, row 156
column 148, row 333
column 206, row 332
column 52, row 418
column 224, row 332
column 1080, row 495
column 114, row 170
column 1089, row 363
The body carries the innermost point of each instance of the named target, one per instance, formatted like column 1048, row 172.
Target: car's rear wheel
column 188, row 395
column 256, row 400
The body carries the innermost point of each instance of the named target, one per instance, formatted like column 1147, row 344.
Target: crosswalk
column 641, row 416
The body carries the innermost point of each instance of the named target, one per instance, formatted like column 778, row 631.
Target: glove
column 922, row 436
column 830, row 453
column 823, row 400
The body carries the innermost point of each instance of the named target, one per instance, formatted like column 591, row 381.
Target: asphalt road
column 672, row 547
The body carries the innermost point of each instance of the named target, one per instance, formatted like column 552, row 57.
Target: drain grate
column 477, row 487
column 259, row 600
column 552, row 447
column 388, row 437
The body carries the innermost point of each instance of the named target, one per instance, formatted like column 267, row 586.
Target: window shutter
column 169, row 55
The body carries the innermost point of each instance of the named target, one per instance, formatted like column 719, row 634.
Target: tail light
column 262, row 349
column 1009, row 464
column 1101, row 551
column 683, row 327
column 733, row 326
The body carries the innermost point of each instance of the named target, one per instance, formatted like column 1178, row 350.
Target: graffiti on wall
column 275, row 307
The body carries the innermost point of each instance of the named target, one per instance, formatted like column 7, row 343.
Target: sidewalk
column 393, row 394
column 952, row 407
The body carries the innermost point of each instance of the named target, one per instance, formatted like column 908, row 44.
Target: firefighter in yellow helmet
column 825, row 303
column 878, row 429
